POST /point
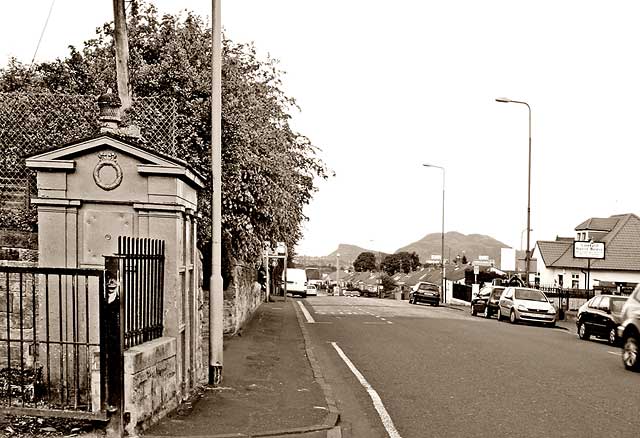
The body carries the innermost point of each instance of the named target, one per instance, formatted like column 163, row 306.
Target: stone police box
column 90, row 192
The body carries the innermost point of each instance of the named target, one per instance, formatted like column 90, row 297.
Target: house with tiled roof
column 619, row 269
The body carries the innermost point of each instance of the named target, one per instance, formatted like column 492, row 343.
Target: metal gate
column 63, row 332
column 50, row 342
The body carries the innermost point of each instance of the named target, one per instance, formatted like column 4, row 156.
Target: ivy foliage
column 268, row 169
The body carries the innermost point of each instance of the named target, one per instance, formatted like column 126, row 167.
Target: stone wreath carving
column 107, row 159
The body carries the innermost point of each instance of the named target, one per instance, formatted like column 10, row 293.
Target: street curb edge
column 333, row 416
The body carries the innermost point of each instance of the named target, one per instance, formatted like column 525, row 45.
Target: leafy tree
column 387, row 282
column 268, row 169
column 366, row 261
column 402, row 261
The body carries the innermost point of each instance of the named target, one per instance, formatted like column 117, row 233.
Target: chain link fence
column 31, row 123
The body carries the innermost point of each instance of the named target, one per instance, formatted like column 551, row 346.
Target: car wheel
column 499, row 314
column 630, row 353
column 512, row 317
column 551, row 324
column 437, row 303
column 486, row 313
column 474, row 312
column 613, row 337
column 583, row 333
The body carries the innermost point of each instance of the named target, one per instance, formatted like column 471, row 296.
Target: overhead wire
column 43, row 30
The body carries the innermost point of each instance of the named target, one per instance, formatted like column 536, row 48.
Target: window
column 604, row 303
column 595, row 302
column 575, row 281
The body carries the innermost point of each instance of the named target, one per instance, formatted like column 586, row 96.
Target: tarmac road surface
column 401, row 370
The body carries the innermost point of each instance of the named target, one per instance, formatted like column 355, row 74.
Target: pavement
column 272, row 386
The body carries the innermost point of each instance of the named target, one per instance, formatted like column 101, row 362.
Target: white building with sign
column 604, row 254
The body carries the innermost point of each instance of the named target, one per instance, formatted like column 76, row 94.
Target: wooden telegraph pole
column 122, row 54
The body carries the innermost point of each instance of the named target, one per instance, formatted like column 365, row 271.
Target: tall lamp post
column 338, row 273
column 527, row 253
column 442, row 268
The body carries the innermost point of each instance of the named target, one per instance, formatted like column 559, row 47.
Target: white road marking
column 387, row 422
column 617, row 353
column 389, row 322
column 306, row 313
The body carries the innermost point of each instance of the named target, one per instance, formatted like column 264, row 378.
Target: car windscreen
column 497, row 292
column 429, row 287
column 529, row 294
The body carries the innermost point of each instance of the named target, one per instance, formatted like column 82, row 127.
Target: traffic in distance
column 613, row 318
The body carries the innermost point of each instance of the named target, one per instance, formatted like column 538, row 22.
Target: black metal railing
column 142, row 287
column 50, row 320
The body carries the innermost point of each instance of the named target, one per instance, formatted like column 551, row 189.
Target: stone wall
column 241, row 299
column 151, row 381
column 18, row 246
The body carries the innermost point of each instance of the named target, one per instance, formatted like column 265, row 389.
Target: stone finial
column 109, row 117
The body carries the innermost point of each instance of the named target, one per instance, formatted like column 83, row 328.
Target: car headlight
column 522, row 308
column 552, row 310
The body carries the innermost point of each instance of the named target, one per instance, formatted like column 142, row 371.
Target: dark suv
column 486, row 302
column 629, row 331
column 600, row 317
column 425, row 292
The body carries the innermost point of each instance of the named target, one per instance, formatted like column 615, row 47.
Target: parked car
column 600, row 317
column 486, row 302
column 526, row 304
column 351, row 292
column 312, row 289
column 629, row 331
column 424, row 292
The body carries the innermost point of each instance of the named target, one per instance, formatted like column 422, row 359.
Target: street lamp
column 338, row 273
column 527, row 254
column 522, row 236
column 442, row 268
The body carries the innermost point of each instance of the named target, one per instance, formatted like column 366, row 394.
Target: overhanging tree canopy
column 268, row 169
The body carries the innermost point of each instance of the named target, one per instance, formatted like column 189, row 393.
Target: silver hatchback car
column 526, row 304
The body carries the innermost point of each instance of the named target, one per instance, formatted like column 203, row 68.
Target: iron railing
column 143, row 288
column 50, row 323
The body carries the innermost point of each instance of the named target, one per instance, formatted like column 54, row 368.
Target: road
column 439, row 372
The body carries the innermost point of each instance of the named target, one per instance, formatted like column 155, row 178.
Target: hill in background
column 472, row 245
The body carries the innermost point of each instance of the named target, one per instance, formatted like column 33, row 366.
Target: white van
column 296, row 282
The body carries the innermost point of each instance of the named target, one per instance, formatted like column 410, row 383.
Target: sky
column 385, row 87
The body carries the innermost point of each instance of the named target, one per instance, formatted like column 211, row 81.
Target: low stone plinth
column 151, row 383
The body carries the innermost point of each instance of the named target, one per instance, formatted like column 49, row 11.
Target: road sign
column 476, row 270
column 588, row 250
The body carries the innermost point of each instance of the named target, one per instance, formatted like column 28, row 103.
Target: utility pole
column 216, row 299
column 122, row 54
